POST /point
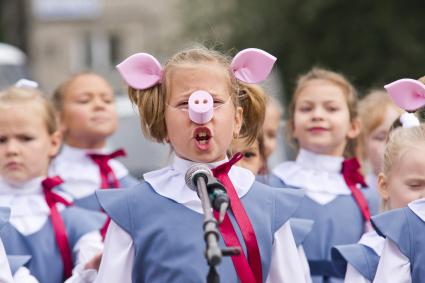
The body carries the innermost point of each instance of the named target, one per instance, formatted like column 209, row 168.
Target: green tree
column 371, row 42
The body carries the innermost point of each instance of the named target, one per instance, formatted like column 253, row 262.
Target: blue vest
column 168, row 237
column 46, row 262
column 407, row 231
column 363, row 258
column 17, row 261
column 300, row 229
column 90, row 202
column 338, row 222
column 4, row 216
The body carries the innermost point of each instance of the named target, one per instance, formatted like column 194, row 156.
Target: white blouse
column 80, row 173
column 5, row 275
column 375, row 242
column 29, row 213
column 118, row 256
column 319, row 175
column 394, row 266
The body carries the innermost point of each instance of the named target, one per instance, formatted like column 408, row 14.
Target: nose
column 317, row 113
column 99, row 103
column 201, row 107
column 12, row 148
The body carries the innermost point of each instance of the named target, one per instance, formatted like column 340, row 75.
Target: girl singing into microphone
column 193, row 103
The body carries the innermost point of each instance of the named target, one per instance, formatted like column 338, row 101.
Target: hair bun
column 24, row 83
column 409, row 120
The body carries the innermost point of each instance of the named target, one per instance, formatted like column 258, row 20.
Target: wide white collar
column 418, row 207
column 373, row 241
column 319, row 175
column 170, row 182
column 29, row 210
column 80, row 173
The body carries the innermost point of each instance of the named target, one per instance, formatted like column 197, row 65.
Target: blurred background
column 371, row 42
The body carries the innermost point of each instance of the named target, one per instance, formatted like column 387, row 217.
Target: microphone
column 195, row 172
column 216, row 191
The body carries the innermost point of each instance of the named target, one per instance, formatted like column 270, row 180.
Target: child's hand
column 94, row 262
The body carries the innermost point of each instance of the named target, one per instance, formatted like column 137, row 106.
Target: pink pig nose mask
column 200, row 107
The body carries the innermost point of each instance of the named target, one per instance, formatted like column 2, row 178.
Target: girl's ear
column 55, row 143
column 354, row 130
column 383, row 187
column 238, row 120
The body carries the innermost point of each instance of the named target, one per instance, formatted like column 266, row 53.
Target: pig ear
column 252, row 65
column 408, row 94
column 140, row 71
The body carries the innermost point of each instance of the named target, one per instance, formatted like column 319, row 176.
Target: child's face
column 406, row 180
column 251, row 159
column 375, row 141
column 89, row 115
column 208, row 142
column 25, row 144
column 322, row 120
column 270, row 129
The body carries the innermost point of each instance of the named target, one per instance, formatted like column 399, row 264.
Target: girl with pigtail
column 402, row 187
column 193, row 104
column 359, row 262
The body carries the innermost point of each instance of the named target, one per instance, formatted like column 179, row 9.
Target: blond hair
column 152, row 102
column 372, row 110
column 336, row 79
column 399, row 140
column 14, row 95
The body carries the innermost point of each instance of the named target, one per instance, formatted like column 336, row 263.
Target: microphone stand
column 213, row 252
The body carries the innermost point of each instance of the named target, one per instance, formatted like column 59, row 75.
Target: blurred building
column 68, row 36
column 62, row 37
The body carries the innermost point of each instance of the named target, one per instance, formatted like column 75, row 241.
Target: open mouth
column 202, row 137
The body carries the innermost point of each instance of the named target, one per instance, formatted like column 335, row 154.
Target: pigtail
column 151, row 105
column 253, row 101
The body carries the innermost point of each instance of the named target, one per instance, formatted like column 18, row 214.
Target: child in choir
column 403, row 255
column 57, row 237
column 253, row 159
column 86, row 107
column 323, row 121
column 193, row 104
column 377, row 113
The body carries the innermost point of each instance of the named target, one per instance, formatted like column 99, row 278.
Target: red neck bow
column 352, row 176
column 249, row 269
column 57, row 222
column 107, row 175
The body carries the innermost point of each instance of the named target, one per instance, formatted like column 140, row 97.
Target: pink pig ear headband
column 409, row 95
column 143, row 71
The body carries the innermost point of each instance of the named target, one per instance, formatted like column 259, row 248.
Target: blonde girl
column 324, row 125
column 193, row 103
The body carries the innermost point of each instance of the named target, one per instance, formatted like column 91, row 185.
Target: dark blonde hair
column 60, row 92
column 372, row 109
column 152, row 102
column 14, row 95
column 334, row 78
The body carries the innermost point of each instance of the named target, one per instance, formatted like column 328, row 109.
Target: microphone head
column 193, row 171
